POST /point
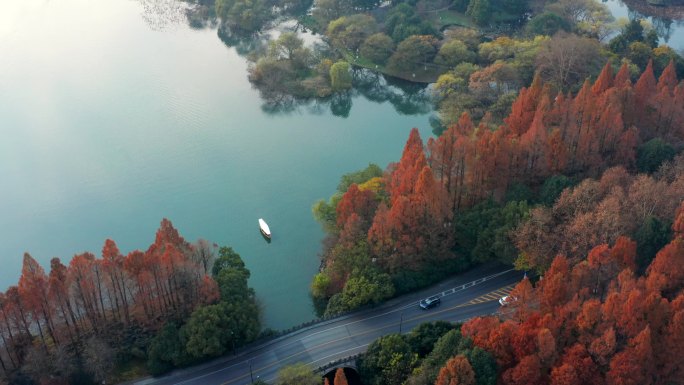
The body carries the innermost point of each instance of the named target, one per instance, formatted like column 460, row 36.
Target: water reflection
column 668, row 21
column 244, row 44
column 407, row 98
column 202, row 14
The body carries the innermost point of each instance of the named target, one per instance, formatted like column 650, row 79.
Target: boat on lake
column 265, row 230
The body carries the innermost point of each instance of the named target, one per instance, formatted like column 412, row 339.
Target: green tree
column 515, row 7
column 652, row 235
column 403, row 21
column 414, row 52
column 483, row 232
column 362, row 288
column 547, row 23
column 552, row 188
column 167, row 350
column 244, row 15
column 484, row 366
column 232, row 285
column 340, row 76
column 587, row 17
column 454, row 52
column 209, row 331
column 631, row 32
column 234, row 321
column 285, row 45
column 388, row 361
column 273, row 74
column 652, row 154
column 454, row 82
column 480, row 11
column 639, row 53
column 326, row 213
column 320, row 285
column 377, row 48
column 422, row 339
column 447, row 346
column 215, row 329
column 227, row 259
column 502, row 107
column 297, row 374
column 326, row 10
column 231, row 275
column 348, row 32
column 359, row 177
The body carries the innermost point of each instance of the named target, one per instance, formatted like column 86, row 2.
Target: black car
column 430, row 302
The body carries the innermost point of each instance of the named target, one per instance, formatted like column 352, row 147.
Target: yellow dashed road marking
column 491, row 296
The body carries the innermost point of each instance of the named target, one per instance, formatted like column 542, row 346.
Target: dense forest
column 172, row 305
column 593, row 321
column 468, row 195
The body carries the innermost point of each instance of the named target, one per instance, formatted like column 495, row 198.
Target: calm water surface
column 671, row 32
column 113, row 116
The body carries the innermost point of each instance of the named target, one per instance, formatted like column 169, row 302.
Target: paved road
column 472, row 294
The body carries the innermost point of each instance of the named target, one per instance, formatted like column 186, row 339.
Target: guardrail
column 272, row 335
column 352, row 358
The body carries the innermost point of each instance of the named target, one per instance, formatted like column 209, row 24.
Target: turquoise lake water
column 115, row 114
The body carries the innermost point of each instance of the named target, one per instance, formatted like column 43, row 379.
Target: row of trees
column 105, row 308
column 602, row 126
column 214, row 329
column 398, row 227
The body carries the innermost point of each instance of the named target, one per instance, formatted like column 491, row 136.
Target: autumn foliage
column 548, row 134
column 98, row 297
column 408, row 226
column 600, row 211
column 595, row 323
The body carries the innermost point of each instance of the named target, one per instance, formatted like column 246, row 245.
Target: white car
column 507, row 300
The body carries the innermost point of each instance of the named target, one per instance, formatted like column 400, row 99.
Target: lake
column 116, row 114
column 671, row 32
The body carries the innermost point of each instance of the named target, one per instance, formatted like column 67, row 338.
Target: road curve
column 468, row 295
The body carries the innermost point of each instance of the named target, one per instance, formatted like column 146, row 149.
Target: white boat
column 263, row 226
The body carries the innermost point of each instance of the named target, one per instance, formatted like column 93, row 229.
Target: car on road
column 507, row 300
column 430, row 302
